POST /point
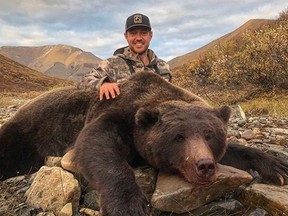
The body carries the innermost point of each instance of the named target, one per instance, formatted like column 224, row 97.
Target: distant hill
column 18, row 78
column 251, row 25
column 60, row 61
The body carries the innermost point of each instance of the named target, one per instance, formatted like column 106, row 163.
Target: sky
column 97, row 26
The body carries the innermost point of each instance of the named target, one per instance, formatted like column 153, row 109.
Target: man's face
column 138, row 39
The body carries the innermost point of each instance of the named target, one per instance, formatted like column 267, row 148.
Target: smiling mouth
column 139, row 44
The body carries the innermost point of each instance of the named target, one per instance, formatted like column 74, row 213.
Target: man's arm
column 94, row 79
column 102, row 78
column 164, row 70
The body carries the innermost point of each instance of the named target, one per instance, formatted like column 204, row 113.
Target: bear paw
column 137, row 206
column 278, row 173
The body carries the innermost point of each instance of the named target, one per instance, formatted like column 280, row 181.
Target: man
column 135, row 58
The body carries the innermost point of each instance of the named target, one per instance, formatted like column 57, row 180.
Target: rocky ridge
column 60, row 61
column 21, row 195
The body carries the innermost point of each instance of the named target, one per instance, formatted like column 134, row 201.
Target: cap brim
column 138, row 25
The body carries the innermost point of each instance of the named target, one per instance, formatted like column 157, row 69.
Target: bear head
column 182, row 138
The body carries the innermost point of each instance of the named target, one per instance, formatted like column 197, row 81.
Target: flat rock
column 174, row 194
column 273, row 199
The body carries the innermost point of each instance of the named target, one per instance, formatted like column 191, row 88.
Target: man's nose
column 138, row 36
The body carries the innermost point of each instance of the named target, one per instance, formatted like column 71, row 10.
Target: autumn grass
column 10, row 98
column 273, row 105
column 6, row 100
column 255, row 102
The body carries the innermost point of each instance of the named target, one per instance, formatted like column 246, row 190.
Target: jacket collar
column 125, row 52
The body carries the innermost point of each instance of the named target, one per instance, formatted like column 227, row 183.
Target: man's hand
column 109, row 89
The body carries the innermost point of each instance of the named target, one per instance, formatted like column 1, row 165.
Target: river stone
column 52, row 189
column 68, row 162
column 273, row 199
column 174, row 194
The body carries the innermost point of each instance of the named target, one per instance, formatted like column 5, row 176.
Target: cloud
column 97, row 26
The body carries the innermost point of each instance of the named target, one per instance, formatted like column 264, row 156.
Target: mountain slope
column 251, row 25
column 56, row 60
column 15, row 77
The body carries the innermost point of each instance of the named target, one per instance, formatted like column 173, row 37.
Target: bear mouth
column 196, row 180
column 205, row 183
column 195, row 177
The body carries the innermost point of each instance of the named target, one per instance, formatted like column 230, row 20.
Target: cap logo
column 137, row 18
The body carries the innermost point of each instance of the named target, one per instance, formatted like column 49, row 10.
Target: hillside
column 189, row 57
column 60, row 61
column 17, row 78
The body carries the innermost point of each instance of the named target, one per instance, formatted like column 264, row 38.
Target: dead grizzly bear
column 170, row 128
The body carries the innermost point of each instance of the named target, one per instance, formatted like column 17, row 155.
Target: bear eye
column 179, row 138
column 207, row 135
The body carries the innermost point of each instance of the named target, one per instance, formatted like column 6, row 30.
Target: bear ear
column 146, row 117
column 224, row 113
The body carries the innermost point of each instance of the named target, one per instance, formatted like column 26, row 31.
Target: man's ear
column 146, row 117
column 224, row 113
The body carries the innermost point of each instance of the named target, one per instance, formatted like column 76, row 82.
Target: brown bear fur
column 170, row 128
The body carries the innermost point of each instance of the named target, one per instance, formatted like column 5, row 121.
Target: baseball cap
column 136, row 20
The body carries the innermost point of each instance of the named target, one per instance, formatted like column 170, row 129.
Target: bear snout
column 205, row 169
column 199, row 163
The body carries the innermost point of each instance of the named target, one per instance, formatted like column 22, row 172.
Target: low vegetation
column 20, row 82
column 252, row 71
column 272, row 104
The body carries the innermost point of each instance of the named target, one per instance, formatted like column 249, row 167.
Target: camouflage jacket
column 120, row 66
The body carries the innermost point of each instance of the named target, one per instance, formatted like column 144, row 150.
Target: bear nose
column 205, row 168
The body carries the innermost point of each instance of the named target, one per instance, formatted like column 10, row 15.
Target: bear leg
column 102, row 151
column 18, row 155
column 271, row 169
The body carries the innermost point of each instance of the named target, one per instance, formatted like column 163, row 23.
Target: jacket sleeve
column 95, row 78
column 164, row 70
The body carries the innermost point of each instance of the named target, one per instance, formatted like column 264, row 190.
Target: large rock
column 224, row 207
column 173, row 194
column 52, row 189
column 271, row 198
column 68, row 162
